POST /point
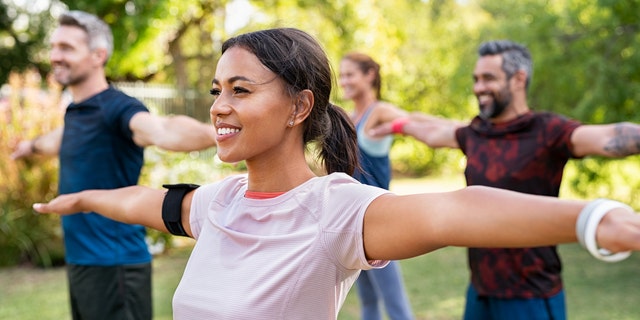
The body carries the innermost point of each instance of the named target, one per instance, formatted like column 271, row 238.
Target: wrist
column 587, row 224
column 397, row 125
column 34, row 148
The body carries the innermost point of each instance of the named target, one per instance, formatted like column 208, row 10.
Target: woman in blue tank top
column 360, row 81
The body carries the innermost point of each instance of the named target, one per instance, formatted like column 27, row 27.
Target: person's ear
column 302, row 108
column 100, row 56
column 520, row 79
column 370, row 75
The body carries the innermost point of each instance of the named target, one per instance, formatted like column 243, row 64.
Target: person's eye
column 239, row 90
column 214, row 92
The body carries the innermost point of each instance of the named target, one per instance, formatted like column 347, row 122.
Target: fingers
column 619, row 231
column 62, row 205
column 41, row 208
column 22, row 149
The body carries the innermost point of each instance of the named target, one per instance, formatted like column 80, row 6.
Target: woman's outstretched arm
column 133, row 205
column 398, row 227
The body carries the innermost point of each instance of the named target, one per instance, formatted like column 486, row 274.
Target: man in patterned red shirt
column 511, row 147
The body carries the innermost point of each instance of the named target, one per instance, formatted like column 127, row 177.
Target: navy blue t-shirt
column 98, row 152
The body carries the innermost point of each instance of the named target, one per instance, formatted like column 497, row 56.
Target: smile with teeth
column 484, row 98
column 224, row 131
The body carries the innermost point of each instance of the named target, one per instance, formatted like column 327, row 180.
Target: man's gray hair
column 98, row 32
column 514, row 57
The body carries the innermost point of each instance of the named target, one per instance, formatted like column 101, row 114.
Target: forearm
column 433, row 131
column 183, row 133
column 471, row 217
column 47, row 144
column 511, row 219
column 614, row 140
column 132, row 205
column 625, row 140
column 488, row 217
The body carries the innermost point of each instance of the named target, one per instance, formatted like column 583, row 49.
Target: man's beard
column 71, row 79
column 497, row 107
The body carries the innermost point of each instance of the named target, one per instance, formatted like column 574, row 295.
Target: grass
column 436, row 282
column 31, row 293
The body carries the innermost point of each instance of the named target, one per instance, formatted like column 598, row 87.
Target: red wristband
column 397, row 125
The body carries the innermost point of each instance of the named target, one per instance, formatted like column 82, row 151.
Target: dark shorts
column 487, row 308
column 115, row 292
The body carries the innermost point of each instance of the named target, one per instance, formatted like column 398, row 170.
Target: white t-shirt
column 294, row 256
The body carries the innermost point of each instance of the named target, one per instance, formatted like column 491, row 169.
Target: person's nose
column 220, row 107
column 55, row 55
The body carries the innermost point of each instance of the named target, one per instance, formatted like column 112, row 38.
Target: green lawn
column 436, row 283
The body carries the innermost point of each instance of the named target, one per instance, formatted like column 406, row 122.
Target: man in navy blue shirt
column 100, row 146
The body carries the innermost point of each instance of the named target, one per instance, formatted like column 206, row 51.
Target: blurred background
column 586, row 66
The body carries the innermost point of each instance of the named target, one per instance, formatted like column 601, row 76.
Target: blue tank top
column 98, row 152
column 373, row 155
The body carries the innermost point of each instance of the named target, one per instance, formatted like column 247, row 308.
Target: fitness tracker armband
column 172, row 207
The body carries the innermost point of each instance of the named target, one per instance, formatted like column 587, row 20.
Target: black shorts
column 115, row 292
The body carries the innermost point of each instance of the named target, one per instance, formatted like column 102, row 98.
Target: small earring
column 291, row 123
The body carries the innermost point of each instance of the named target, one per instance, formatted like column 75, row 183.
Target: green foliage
column 161, row 40
column 22, row 37
column 586, row 66
column 25, row 236
column 583, row 51
column 604, row 178
column 413, row 158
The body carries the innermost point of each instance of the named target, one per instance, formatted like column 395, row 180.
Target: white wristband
column 586, row 226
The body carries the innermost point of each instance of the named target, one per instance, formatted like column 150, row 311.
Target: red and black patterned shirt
column 528, row 155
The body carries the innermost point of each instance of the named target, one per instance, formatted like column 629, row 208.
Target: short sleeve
column 343, row 230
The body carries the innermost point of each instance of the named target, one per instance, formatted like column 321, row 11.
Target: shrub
column 26, row 111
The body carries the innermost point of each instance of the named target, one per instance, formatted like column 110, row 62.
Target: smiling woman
column 281, row 242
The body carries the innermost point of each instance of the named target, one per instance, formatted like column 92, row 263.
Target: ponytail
column 340, row 144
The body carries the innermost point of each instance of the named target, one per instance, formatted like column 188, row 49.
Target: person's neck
column 88, row 88
column 364, row 101
column 282, row 168
column 516, row 109
column 267, row 180
column 361, row 105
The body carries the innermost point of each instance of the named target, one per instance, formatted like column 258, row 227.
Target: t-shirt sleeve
column 559, row 130
column 201, row 202
column 119, row 111
column 461, row 135
column 199, row 207
column 128, row 113
column 343, row 228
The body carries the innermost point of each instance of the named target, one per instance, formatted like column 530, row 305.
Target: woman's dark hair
column 365, row 64
column 300, row 61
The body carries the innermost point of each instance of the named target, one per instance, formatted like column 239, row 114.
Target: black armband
column 172, row 207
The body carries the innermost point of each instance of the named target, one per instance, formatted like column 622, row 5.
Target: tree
column 585, row 66
column 22, row 36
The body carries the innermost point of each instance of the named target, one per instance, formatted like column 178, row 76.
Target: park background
column 586, row 66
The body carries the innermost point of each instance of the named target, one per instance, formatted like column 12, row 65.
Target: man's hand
column 62, row 205
column 23, row 149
